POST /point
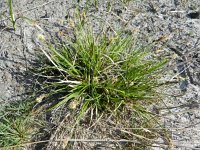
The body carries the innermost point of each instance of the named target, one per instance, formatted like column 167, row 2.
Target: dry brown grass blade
column 158, row 144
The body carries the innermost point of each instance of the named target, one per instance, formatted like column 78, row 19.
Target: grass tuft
column 17, row 124
column 100, row 72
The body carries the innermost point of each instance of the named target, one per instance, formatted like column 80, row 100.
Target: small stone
column 184, row 85
column 193, row 15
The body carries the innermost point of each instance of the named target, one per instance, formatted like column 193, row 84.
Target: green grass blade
column 11, row 13
column 65, row 100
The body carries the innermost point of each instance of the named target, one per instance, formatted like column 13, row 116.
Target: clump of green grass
column 17, row 124
column 95, row 74
column 105, row 73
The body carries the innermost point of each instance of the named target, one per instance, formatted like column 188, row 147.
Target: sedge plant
column 94, row 74
column 17, row 125
column 99, row 72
